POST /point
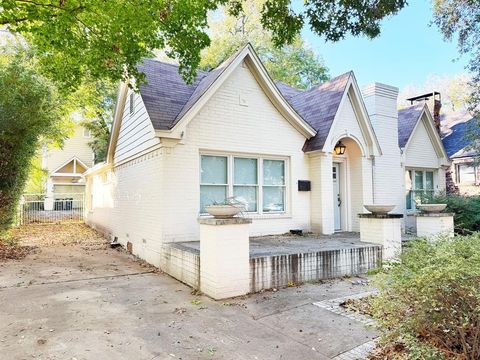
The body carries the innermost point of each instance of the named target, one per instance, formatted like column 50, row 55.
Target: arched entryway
column 350, row 174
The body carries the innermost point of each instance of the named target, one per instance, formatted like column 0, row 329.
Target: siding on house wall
column 76, row 145
column 136, row 132
column 225, row 126
column 420, row 152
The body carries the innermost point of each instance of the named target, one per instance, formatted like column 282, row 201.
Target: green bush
column 429, row 302
column 30, row 110
column 466, row 209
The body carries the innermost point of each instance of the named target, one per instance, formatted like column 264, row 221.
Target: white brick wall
column 225, row 126
column 435, row 225
column 381, row 103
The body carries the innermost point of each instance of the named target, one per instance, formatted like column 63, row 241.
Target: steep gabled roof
column 165, row 93
column 407, row 120
column 168, row 98
column 170, row 101
column 318, row 106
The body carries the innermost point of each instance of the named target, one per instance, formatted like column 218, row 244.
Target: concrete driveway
column 74, row 302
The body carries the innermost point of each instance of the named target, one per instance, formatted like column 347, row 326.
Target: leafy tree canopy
column 106, row 39
column 460, row 20
column 294, row 64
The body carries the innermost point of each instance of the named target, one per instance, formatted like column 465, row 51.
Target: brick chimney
column 434, row 103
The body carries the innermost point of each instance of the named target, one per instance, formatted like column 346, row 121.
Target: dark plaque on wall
column 304, row 185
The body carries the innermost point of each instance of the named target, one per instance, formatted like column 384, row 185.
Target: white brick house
column 234, row 132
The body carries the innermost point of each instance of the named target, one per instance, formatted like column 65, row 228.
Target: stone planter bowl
column 379, row 209
column 223, row 211
column 432, row 208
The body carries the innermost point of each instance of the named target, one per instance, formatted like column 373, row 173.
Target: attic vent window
column 132, row 103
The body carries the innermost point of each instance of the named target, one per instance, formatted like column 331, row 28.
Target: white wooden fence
column 37, row 209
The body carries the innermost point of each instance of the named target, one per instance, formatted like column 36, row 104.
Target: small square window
column 86, row 133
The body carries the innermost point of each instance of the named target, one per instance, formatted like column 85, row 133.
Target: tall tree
column 295, row 64
column 106, row 39
column 460, row 20
column 30, row 109
column 94, row 102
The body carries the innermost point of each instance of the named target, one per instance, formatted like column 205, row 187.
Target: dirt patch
column 46, row 235
column 14, row 252
column 362, row 306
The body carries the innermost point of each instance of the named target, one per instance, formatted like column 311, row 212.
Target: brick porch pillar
column 224, row 257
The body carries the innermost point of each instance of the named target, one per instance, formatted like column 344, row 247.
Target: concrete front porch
column 282, row 260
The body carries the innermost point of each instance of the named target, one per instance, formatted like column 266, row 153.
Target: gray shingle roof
column 165, row 93
column 167, row 97
column 287, row 91
column 318, row 106
column 455, row 142
column 407, row 119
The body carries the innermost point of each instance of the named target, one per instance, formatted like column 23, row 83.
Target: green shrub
column 429, row 302
column 30, row 110
column 466, row 209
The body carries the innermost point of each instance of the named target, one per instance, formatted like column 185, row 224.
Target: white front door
column 337, row 202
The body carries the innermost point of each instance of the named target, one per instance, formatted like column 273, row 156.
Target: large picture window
column 419, row 187
column 257, row 182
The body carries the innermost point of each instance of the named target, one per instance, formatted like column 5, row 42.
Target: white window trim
column 259, row 214
column 413, row 209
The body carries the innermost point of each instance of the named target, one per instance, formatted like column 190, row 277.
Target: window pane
column 245, row 171
column 210, row 194
column 429, row 180
column 466, row 174
column 273, row 172
column 409, row 200
column 273, row 198
column 214, row 170
column 246, row 195
column 418, row 180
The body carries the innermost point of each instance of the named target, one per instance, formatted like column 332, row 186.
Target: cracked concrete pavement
column 71, row 302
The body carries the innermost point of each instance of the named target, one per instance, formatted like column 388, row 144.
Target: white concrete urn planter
column 223, row 211
column 380, row 209
column 432, row 208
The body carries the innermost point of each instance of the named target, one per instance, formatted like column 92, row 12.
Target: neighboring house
column 177, row 147
column 67, row 165
column 465, row 174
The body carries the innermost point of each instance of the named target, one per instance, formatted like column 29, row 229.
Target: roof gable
column 318, row 106
column 409, row 120
column 192, row 97
column 165, row 93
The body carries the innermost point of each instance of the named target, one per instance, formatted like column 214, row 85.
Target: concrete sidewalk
column 71, row 303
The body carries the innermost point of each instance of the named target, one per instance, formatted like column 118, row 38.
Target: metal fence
column 38, row 209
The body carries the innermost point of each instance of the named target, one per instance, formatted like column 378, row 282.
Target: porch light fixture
column 340, row 148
